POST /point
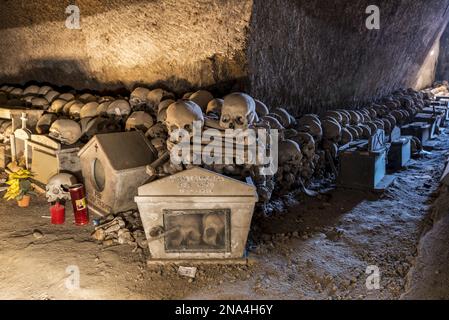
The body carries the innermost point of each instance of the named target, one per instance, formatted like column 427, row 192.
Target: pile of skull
column 308, row 146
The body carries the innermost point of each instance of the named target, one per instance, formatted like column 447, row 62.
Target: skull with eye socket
column 238, row 111
column 182, row 116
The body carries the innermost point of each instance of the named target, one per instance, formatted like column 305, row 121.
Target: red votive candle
column 79, row 203
column 57, row 214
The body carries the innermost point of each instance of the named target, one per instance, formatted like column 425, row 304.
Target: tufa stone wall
column 307, row 56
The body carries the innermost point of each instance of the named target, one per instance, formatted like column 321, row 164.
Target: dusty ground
column 317, row 249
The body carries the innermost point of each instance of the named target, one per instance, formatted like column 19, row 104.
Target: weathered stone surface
column 309, row 54
column 179, row 43
column 302, row 55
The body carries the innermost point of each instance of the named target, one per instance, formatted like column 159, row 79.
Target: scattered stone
column 37, row 234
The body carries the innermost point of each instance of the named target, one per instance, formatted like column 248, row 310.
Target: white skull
column 89, row 110
column 238, row 112
column 44, row 90
column 187, row 232
column 214, row 229
column 57, row 187
column 119, row 108
column 202, row 98
column 31, row 90
column 138, row 97
column 17, row 92
column 139, row 120
column 40, row 103
column 155, row 97
column 51, row 96
column 66, row 96
column 45, row 122
column 57, row 105
column 66, row 131
column 162, row 110
column 214, row 107
column 182, row 114
column 75, row 109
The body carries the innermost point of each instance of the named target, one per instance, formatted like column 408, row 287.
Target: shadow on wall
column 443, row 59
column 51, row 71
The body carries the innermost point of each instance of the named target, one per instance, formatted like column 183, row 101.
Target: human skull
column 286, row 118
column 44, row 90
column 214, row 107
column 289, row 153
column 261, row 108
column 98, row 125
column 57, row 188
column 119, row 108
column 103, row 108
column 138, row 97
column 139, row 120
column 182, row 114
column 157, row 131
column 238, row 112
column 155, row 97
column 213, row 229
column 57, row 106
column 66, row 131
column 354, row 132
column 186, row 231
column 311, row 124
column 17, row 92
column 202, row 99
column 41, row 103
column 89, row 110
column 306, row 143
column 51, row 96
column 67, row 96
column 87, row 97
column 346, row 136
column 162, row 110
column 273, row 122
column 45, row 122
column 331, row 130
column 33, row 89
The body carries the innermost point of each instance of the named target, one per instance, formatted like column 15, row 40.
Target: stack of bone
column 308, row 145
column 124, row 228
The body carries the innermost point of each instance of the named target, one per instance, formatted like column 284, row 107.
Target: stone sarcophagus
column 195, row 215
column 113, row 167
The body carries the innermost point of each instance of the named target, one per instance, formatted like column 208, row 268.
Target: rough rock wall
column 306, row 55
column 313, row 55
column 443, row 60
column 178, row 43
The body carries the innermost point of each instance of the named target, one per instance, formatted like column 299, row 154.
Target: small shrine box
column 196, row 214
column 113, row 167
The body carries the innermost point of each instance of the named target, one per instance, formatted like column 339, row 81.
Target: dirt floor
column 317, row 248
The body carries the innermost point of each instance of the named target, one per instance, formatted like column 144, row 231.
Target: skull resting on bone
column 182, row 114
column 238, row 111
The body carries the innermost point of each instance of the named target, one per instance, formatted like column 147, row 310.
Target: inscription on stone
column 196, row 184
